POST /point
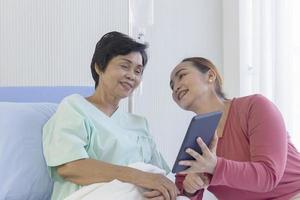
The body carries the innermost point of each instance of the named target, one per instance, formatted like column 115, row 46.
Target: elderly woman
column 250, row 157
column 89, row 140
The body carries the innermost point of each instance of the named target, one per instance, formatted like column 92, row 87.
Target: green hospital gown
column 79, row 130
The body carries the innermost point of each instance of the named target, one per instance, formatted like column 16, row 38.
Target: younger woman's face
column 189, row 85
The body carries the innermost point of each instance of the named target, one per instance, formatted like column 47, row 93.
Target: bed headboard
column 42, row 93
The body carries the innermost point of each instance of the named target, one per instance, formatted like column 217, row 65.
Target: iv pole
column 140, row 17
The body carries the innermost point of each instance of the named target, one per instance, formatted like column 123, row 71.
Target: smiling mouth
column 181, row 94
column 126, row 85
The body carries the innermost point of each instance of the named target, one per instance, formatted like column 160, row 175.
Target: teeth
column 181, row 94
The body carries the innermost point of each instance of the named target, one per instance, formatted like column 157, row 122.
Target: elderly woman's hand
column 153, row 195
column 204, row 163
column 159, row 186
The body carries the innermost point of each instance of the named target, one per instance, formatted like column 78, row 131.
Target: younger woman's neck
column 210, row 104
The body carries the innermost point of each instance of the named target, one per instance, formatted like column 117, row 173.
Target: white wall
column 52, row 42
column 231, row 48
column 46, row 42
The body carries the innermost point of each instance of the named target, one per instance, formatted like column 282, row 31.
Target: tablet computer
column 204, row 126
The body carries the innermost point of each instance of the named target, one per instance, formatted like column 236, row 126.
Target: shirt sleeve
column 179, row 178
column 268, row 151
column 158, row 160
column 65, row 136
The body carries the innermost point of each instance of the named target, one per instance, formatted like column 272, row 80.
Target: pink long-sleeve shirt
column 256, row 160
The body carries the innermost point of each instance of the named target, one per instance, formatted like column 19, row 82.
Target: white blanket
column 116, row 189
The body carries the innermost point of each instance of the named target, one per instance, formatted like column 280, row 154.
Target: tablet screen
column 204, row 126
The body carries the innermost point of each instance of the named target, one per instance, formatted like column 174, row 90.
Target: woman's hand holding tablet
column 199, row 136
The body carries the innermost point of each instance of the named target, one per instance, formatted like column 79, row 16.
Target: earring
column 210, row 80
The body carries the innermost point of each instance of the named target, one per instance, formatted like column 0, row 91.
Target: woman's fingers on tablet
column 194, row 166
column 186, row 162
column 202, row 163
column 194, row 154
column 204, row 148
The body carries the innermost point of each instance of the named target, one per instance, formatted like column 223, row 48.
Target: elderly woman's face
column 122, row 75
